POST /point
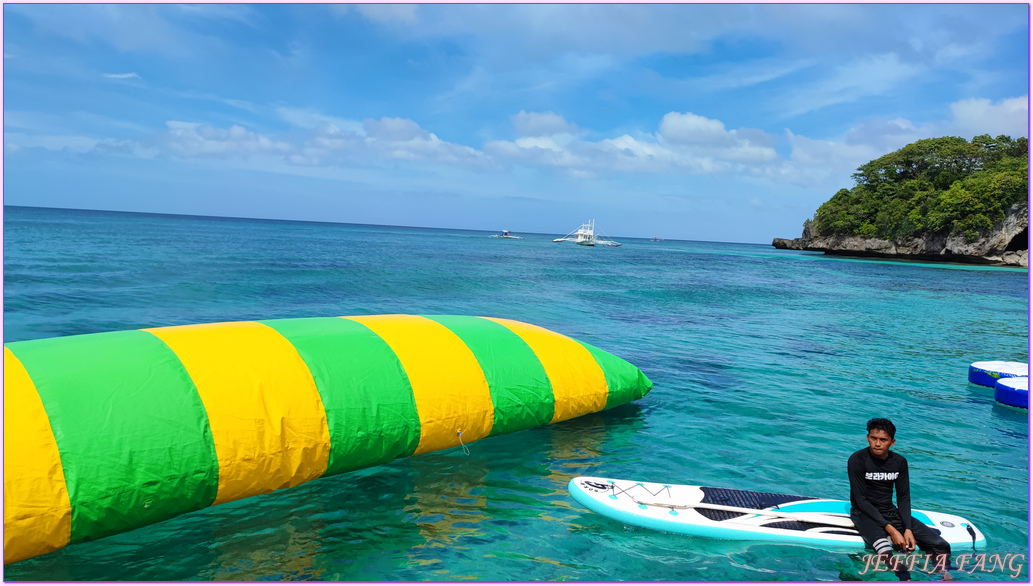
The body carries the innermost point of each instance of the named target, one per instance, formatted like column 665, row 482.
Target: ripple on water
column 766, row 366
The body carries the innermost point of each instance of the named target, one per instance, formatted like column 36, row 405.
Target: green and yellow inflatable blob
column 108, row 432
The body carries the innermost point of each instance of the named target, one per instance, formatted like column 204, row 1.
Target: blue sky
column 703, row 122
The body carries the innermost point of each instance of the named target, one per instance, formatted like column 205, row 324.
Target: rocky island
column 941, row 199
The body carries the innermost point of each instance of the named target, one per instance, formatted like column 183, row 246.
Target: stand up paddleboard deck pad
column 724, row 513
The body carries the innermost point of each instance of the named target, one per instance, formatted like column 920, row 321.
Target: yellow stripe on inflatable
column 37, row 512
column 451, row 392
column 266, row 416
column 578, row 383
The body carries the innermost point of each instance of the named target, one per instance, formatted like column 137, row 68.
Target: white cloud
column 127, row 147
column 241, row 104
column 478, row 83
column 837, row 33
column 121, row 75
column 237, row 12
column 707, row 139
column 327, row 144
column 542, row 31
column 703, row 138
column 319, row 142
column 871, row 75
column 538, row 150
column 394, row 129
column 689, row 128
column 307, row 118
column 541, row 124
column 750, row 73
column 684, row 142
column 627, row 153
column 969, row 117
column 389, row 13
column 538, row 142
column 189, row 139
column 330, row 141
column 813, row 161
column 879, row 130
column 880, row 136
column 401, row 138
column 954, row 52
column 126, row 27
column 210, row 97
column 16, row 141
column 976, row 116
column 132, row 27
column 50, row 124
column 747, row 152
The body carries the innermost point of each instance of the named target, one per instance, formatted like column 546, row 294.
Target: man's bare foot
column 947, row 577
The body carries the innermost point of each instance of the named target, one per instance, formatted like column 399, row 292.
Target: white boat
column 506, row 234
column 585, row 236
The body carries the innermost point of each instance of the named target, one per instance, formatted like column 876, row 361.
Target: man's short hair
column 883, row 424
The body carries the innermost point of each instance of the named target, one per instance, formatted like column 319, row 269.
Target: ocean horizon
column 357, row 224
column 766, row 366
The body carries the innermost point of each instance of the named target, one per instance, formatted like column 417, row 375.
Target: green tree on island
column 933, row 186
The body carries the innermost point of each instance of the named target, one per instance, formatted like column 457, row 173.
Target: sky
column 715, row 122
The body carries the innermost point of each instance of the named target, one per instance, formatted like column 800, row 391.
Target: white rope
column 466, row 450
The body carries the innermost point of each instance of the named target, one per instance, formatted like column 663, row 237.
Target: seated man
column 874, row 472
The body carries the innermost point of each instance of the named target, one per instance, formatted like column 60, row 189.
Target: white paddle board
column 725, row 513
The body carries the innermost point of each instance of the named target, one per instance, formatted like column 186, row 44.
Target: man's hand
column 900, row 541
column 909, row 541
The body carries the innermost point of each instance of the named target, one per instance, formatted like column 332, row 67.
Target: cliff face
column 1007, row 244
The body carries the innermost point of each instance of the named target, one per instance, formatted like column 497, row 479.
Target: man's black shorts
column 875, row 536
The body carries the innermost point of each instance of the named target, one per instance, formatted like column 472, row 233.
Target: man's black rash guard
column 871, row 486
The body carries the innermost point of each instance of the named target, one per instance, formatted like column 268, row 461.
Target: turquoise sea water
column 766, row 364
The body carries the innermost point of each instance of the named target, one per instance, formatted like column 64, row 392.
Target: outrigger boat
column 506, row 234
column 585, row 236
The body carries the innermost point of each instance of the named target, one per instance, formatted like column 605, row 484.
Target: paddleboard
column 724, row 513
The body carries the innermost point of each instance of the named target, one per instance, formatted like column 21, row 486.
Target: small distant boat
column 506, row 234
column 656, row 239
column 585, row 235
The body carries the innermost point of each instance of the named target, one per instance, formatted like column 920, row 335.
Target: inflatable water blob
column 1013, row 391
column 989, row 372
column 108, row 432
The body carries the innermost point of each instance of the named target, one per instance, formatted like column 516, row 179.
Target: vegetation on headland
column 942, row 186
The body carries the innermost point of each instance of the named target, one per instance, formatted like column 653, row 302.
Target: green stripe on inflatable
column 625, row 381
column 131, row 429
column 370, row 408
column 520, row 390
